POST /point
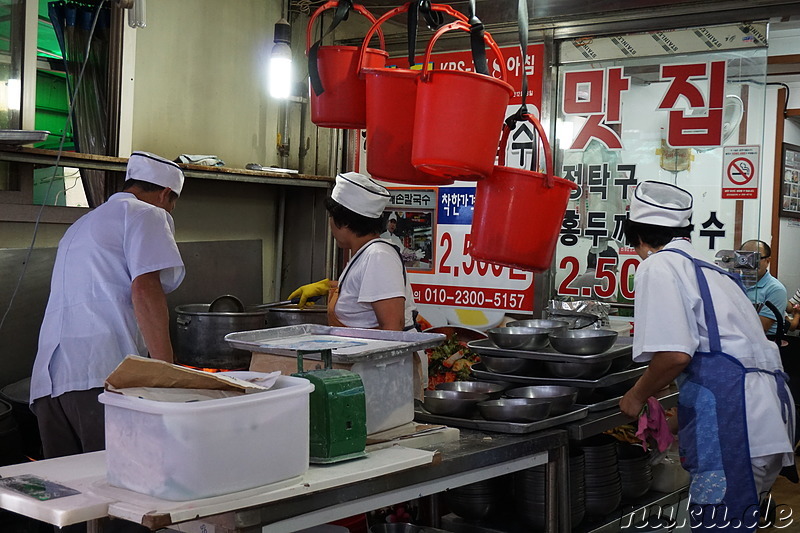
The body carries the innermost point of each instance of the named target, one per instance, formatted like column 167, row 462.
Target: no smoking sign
column 740, row 172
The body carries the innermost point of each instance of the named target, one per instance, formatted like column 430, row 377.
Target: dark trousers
column 75, row 423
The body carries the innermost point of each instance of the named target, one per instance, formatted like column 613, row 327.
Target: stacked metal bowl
column 530, row 489
column 521, row 410
column 561, row 398
column 476, row 500
column 457, row 404
column 492, row 388
column 510, row 365
column 635, row 473
column 601, row 475
column 583, row 341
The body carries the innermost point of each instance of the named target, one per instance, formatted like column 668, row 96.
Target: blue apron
column 713, row 439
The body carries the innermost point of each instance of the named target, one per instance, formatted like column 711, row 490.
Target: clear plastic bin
column 187, row 451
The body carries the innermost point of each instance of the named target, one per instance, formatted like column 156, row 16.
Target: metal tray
column 601, row 405
column 22, row 136
column 623, row 346
column 348, row 345
column 577, row 413
column 480, row 372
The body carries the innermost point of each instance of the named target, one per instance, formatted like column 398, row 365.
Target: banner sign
column 663, row 119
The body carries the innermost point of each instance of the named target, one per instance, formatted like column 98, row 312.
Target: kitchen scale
column 338, row 410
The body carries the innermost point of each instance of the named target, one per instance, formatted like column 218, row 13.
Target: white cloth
column 669, row 317
column 661, row 204
column 360, row 194
column 89, row 325
column 392, row 238
column 144, row 166
column 374, row 273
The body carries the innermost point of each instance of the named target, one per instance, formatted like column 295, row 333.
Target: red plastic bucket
column 518, row 213
column 343, row 102
column 458, row 118
column 391, row 103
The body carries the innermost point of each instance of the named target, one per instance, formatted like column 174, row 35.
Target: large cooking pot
column 291, row 315
column 200, row 336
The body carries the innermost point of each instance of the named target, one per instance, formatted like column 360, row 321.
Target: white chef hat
column 360, row 194
column 392, row 216
column 144, row 166
column 661, row 204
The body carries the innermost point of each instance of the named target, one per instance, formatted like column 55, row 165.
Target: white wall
column 784, row 42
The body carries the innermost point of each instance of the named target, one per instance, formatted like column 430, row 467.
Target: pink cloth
column 653, row 426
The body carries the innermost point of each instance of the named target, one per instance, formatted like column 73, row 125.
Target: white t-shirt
column 669, row 317
column 374, row 273
column 89, row 325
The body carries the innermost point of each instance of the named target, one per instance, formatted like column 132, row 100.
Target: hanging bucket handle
column 548, row 154
column 396, row 11
column 342, row 11
column 459, row 25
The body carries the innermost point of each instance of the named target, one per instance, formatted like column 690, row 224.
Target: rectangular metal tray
column 602, row 405
column 348, row 345
column 623, row 346
column 577, row 413
column 22, row 136
column 480, row 372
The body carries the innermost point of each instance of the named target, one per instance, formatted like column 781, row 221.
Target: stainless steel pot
column 200, row 336
column 291, row 315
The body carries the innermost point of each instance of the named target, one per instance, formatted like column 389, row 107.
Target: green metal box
column 338, row 411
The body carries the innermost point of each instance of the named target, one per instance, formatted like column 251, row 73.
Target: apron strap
column 414, row 313
column 370, row 243
column 715, row 345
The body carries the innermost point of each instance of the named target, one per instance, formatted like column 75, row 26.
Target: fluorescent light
column 280, row 61
column 280, row 71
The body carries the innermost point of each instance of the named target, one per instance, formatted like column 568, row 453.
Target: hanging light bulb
column 280, row 61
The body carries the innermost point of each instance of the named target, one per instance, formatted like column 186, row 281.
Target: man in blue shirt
column 767, row 288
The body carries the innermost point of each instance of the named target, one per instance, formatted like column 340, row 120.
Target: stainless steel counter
column 601, row 421
column 476, row 456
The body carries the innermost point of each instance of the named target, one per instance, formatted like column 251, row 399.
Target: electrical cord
column 786, row 101
column 95, row 18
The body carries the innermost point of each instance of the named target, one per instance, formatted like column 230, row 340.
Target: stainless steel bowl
column 583, row 341
column 453, row 403
column 493, row 388
column 541, row 323
column 508, row 365
column 462, row 333
column 515, row 409
column 577, row 370
column 561, row 397
column 519, row 338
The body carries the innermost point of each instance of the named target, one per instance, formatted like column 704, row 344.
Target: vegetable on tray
column 451, row 361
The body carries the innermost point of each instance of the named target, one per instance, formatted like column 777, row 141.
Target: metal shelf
column 37, row 156
column 601, row 421
column 637, row 510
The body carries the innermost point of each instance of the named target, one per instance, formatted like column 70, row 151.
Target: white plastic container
column 388, row 391
column 187, row 451
column 383, row 359
column 388, row 384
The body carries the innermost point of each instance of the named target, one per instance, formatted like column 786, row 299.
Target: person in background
column 389, row 234
column 373, row 290
column 694, row 323
column 793, row 311
column 766, row 289
column 589, row 277
column 112, row 271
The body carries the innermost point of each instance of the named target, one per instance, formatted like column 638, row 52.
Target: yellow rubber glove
column 320, row 288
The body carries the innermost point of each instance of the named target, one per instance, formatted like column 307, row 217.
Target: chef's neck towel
column 653, row 426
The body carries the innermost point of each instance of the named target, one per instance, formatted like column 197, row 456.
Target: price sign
column 459, row 280
column 610, row 277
